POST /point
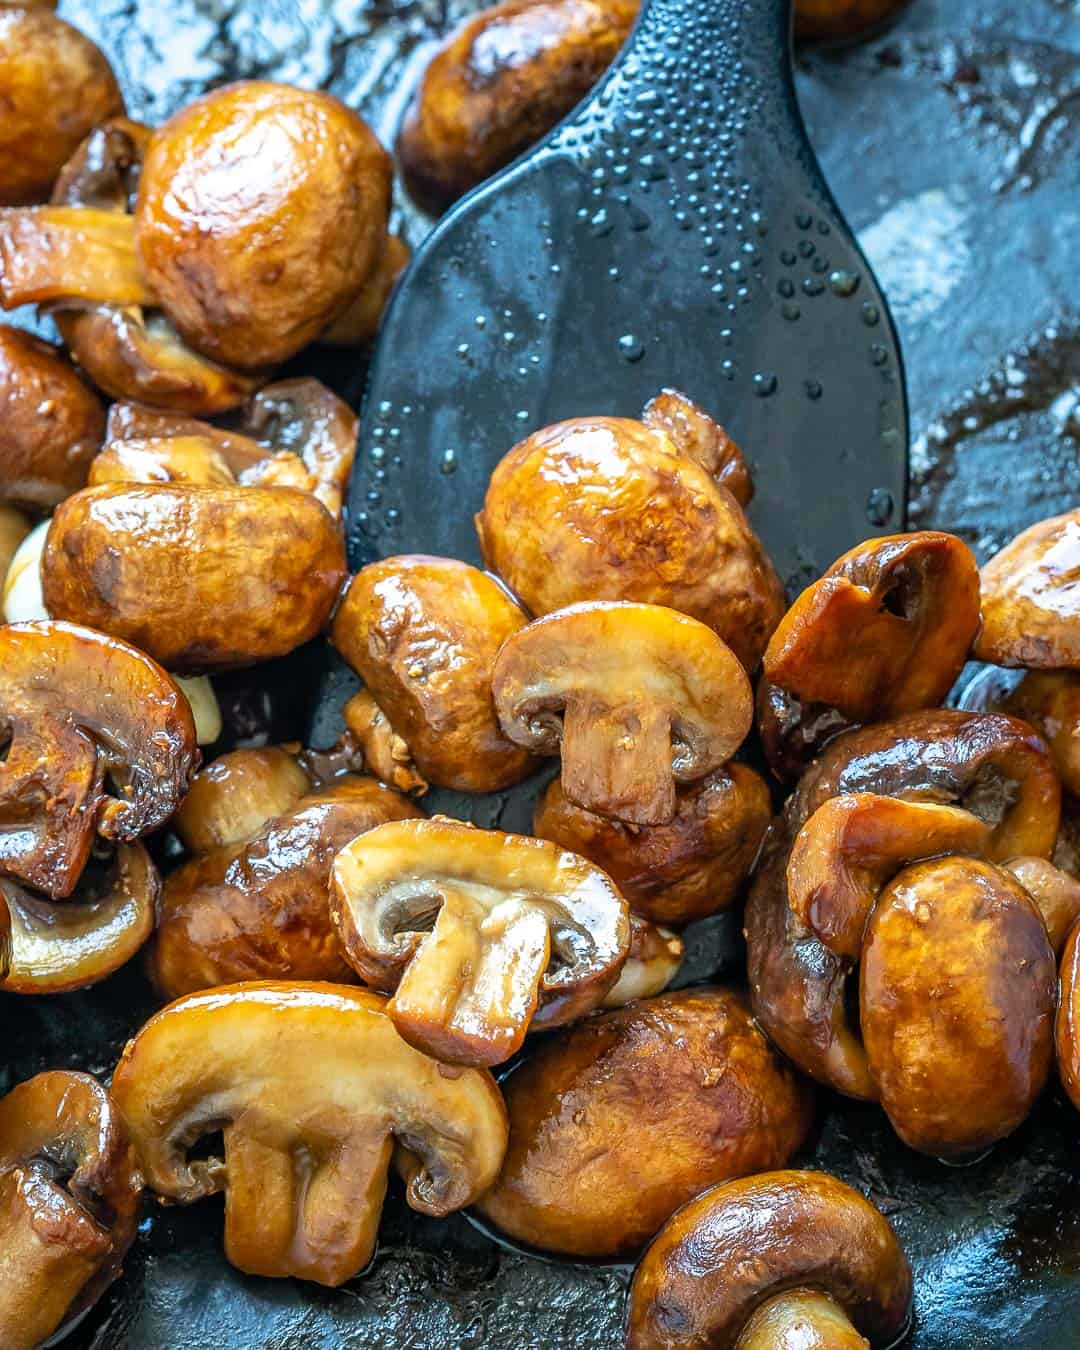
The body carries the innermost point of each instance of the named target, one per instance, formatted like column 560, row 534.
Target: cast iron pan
column 950, row 147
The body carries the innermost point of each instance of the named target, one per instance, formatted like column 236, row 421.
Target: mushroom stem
column 69, row 253
column 800, row 1319
column 617, row 760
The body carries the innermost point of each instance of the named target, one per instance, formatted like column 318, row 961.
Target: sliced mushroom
column 201, row 578
column 604, row 508
column 236, row 795
column 99, row 741
column 476, row 933
column 694, row 432
column 1031, row 599
column 636, row 698
column 312, row 1089
column 385, row 753
column 423, row 634
column 652, row 963
column 259, row 908
column 674, row 873
column 69, row 1196
column 751, row 1259
column 616, row 1122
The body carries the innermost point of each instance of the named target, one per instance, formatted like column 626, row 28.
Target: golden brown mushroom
column 842, row 20
column 69, row 1195
column 258, row 907
column 636, row 698
column 202, row 578
column 1067, row 1028
column 476, row 933
column 619, row 1120
column 603, row 508
column 1030, row 598
column 99, row 741
column 501, row 81
column 780, row 1261
column 423, row 634
column 313, row 1089
column 652, row 962
column 385, row 753
column 235, row 796
column 1055, row 892
column 1050, row 701
column 359, row 324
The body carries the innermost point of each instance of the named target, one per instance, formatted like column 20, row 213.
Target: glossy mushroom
column 603, row 508
column 1050, row 701
column 234, row 797
column 780, row 1261
column 635, row 698
column 69, row 1195
column 312, row 1090
column 423, row 634
column 476, row 933
column 652, row 962
column 385, row 753
column 616, row 1122
column 1030, row 598
column 99, row 741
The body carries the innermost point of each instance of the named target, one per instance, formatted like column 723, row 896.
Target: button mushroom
column 603, row 508
column 423, row 634
column 1031, row 600
column 99, row 741
column 476, row 933
column 385, row 753
column 258, row 907
column 69, row 1195
column 636, row 698
column 842, row 20
column 692, row 431
column 780, row 1261
column 312, row 1089
column 652, row 962
column 616, row 1122
column 239, row 793
column 202, row 578
column 885, row 631
column 678, row 872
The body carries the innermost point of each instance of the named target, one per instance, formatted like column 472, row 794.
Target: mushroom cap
column 385, row 753
column 617, row 1121
column 201, row 578
column 1056, row 895
column 423, row 634
column 649, row 697
column 1067, row 1025
column 840, row 20
column 231, row 799
column 100, row 741
column 726, row 1253
column 604, row 508
column 696, row 435
column 1031, row 598
column 675, row 873
column 957, row 994
column 312, row 1087
column 262, row 210
column 1050, row 701
column 478, row 932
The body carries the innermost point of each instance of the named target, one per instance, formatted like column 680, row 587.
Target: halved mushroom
column 603, row 508
column 675, row 873
column 651, row 964
column 235, row 796
column 69, row 1196
column 312, row 1089
column 619, row 1120
column 98, row 741
column 202, row 578
column 749, row 1262
column 423, row 634
column 1031, row 598
column 476, row 933
column 385, row 752
column 885, row 631
column 636, row 698
column 258, row 908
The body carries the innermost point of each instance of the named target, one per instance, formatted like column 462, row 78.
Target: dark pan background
column 953, row 145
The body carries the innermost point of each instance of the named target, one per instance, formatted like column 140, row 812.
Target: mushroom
column 423, row 634
column 842, row 20
column 652, row 963
column 312, row 1089
column 498, row 83
column 476, row 933
column 1031, row 600
column 603, row 508
column 690, row 428
column 258, row 907
column 99, row 741
column 53, row 424
column 885, row 631
column 1067, row 1027
column 385, row 753
column 69, row 1196
column 1056, row 895
column 679, row 872
column 202, row 578
column 55, row 85
column 359, row 324
column 237, row 795
column 647, row 697
column 1050, row 701
column 780, row 1261
column 22, row 597
column 616, row 1122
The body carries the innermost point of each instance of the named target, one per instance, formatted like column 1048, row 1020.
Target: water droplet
column 806, row 248
column 879, row 506
column 813, row 390
column 870, row 314
column 843, row 283
column 764, row 383
column 878, row 355
column 631, row 348
column 377, row 454
column 522, row 415
column 601, row 223
column 788, row 258
column 790, row 312
column 448, row 463
column 812, row 286
column 480, row 321
column 786, row 288
column 804, row 220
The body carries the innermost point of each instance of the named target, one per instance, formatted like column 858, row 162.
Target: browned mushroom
column 1055, row 892
column 1067, row 1030
column 312, row 1089
column 385, row 753
column 69, row 1195
column 99, row 741
column 603, row 508
column 780, row 1261
column 236, row 795
column 885, row 631
column 476, row 933
column 691, row 430
column 359, row 324
column 1050, row 701
column 619, row 1120
column 1030, row 598
column 652, row 962
column 636, row 698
